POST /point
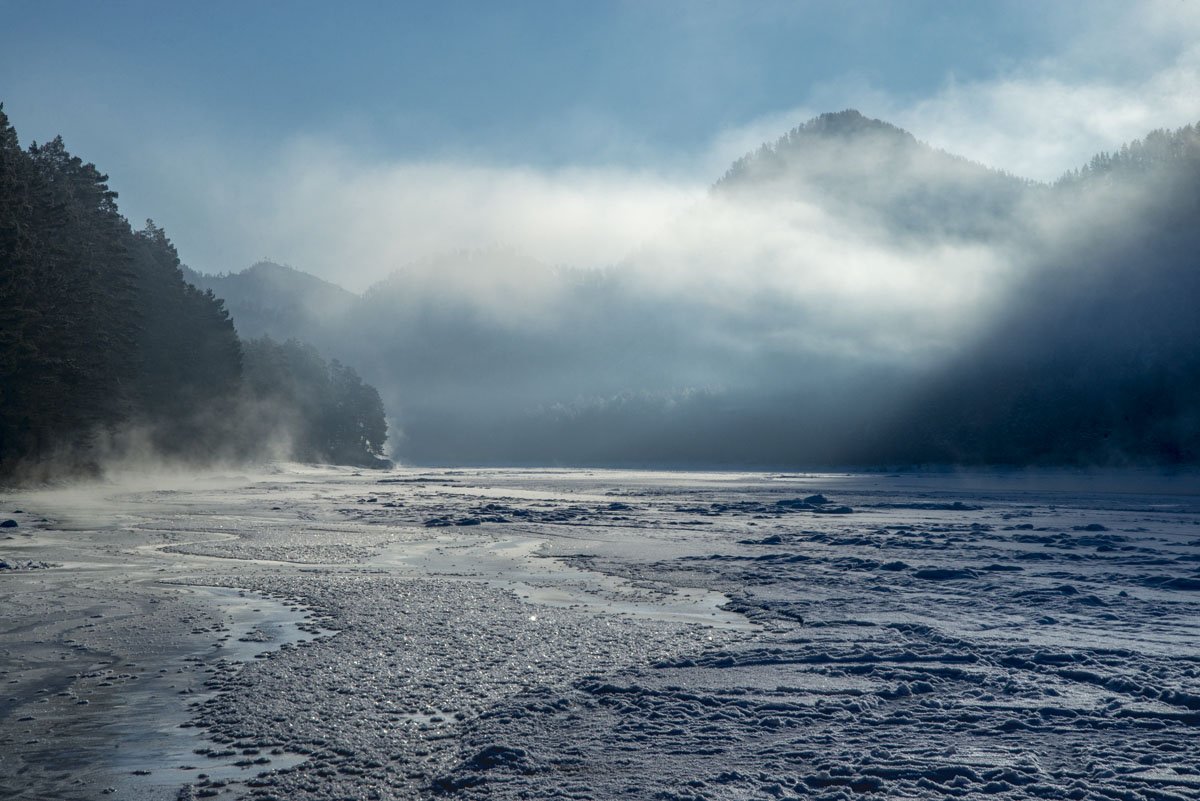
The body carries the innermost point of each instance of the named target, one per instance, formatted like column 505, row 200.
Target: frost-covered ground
column 318, row 633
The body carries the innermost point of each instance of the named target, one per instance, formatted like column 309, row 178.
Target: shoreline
column 111, row 655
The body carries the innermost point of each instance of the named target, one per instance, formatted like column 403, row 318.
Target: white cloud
column 353, row 220
column 1039, row 126
column 801, row 277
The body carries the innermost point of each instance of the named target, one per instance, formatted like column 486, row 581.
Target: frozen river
column 317, row 633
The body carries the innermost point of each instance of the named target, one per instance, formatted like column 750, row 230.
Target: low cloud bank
column 826, row 302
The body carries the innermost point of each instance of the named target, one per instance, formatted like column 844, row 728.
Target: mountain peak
column 825, row 143
column 846, row 123
column 853, row 165
column 267, row 266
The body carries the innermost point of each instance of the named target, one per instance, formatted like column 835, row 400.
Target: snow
column 601, row 634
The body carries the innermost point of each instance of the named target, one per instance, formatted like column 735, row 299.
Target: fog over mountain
column 272, row 299
column 1096, row 356
column 843, row 295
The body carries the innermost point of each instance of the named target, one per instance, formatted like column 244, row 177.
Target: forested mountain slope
column 856, row 166
column 1097, row 359
column 107, row 352
column 269, row 298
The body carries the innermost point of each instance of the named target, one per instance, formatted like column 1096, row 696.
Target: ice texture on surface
column 603, row 634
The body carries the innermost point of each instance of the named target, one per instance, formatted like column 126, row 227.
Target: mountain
column 854, row 166
column 268, row 298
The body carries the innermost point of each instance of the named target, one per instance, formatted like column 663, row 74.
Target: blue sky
column 478, row 77
column 214, row 117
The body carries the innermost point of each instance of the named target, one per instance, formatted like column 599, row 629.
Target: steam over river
column 317, row 633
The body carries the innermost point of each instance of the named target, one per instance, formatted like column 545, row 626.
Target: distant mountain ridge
column 849, row 127
column 857, row 165
column 273, row 299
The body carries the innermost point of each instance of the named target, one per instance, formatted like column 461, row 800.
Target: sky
column 351, row 139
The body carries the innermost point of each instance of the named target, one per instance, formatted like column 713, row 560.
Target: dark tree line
column 103, row 342
column 327, row 412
